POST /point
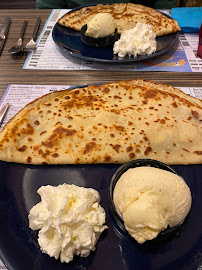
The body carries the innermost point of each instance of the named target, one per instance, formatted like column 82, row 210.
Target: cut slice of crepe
column 126, row 16
column 111, row 123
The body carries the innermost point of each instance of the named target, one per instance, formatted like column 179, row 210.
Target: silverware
column 4, row 32
column 31, row 45
column 3, row 112
column 19, row 47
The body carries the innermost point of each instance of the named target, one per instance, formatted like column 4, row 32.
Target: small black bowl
column 122, row 169
column 101, row 42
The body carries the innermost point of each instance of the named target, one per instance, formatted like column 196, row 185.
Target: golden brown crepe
column 111, row 123
column 126, row 16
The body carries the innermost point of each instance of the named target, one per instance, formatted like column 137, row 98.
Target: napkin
column 189, row 19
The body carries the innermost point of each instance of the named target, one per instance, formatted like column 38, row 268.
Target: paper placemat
column 2, row 266
column 181, row 58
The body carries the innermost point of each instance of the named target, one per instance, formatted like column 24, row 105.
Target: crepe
column 110, row 123
column 126, row 16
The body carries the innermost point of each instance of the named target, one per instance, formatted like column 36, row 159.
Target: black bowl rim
column 94, row 42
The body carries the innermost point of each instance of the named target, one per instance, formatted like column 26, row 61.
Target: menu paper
column 18, row 96
column 181, row 58
column 2, row 267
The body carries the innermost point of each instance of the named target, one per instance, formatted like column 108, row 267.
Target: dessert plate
column 70, row 44
column 115, row 249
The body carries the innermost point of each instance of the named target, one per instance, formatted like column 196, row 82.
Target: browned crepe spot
column 111, row 123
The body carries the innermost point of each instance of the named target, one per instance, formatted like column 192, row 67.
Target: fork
column 31, row 45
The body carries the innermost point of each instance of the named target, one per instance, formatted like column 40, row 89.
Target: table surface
column 11, row 71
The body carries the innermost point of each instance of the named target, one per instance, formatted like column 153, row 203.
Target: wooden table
column 11, row 71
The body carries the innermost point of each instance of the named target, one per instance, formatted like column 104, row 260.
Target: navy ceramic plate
column 70, row 44
column 115, row 249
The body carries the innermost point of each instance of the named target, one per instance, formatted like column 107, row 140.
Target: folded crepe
column 126, row 16
column 110, row 123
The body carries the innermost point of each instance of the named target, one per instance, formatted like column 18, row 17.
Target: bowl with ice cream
column 148, row 198
column 100, row 32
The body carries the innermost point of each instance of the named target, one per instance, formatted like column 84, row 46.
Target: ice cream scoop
column 101, row 25
column 149, row 200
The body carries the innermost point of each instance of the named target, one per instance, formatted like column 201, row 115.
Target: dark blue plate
column 115, row 249
column 70, row 44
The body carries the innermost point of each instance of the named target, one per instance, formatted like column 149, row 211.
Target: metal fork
column 31, row 45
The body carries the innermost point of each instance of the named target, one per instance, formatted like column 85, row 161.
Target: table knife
column 3, row 112
column 4, row 32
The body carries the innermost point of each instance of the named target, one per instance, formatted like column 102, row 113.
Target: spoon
column 31, row 45
column 19, row 47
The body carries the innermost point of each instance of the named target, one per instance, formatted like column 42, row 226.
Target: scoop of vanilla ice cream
column 149, row 199
column 139, row 40
column 70, row 220
column 101, row 25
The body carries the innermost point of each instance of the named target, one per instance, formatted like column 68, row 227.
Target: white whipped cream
column 70, row 220
column 139, row 40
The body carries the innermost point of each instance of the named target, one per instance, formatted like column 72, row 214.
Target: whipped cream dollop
column 70, row 220
column 151, row 199
column 139, row 40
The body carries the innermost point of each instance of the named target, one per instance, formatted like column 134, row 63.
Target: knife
column 3, row 112
column 4, row 32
